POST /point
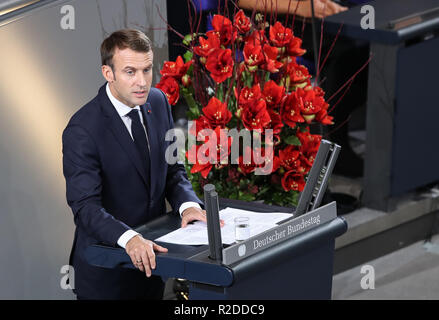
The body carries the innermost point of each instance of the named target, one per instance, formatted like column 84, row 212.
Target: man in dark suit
column 116, row 173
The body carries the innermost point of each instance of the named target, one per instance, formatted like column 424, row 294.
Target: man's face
column 131, row 81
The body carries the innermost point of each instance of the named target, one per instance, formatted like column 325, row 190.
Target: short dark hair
column 126, row 38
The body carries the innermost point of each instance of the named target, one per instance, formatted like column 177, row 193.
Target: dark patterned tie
column 140, row 140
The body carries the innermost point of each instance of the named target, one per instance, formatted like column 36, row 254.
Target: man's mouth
column 140, row 94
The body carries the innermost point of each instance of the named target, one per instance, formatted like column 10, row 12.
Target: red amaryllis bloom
column 198, row 125
column 309, row 148
column 216, row 113
column 293, row 47
column 297, row 73
column 290, row 111
column 266, row 161
column 246, row 162
column 253, row 56
column 202, row 167
column 223, row 144
column 220, row 64
column 224, row 28
column 319, row 91
column 242, row 22
column 270, row 63
column 280, row 35
column 249, row 95
column 310, row 142
column 256, row 38
column 276, row 123
column 255, row 116
column 293, row 181
column 171, row 89
column 212, row 152
column 207, row 45
column 273, row 94
column 323, row 117
column 289, row 157
column 175, row 69
column 310, row 104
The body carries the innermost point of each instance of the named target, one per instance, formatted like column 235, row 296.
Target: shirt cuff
column 125, row 237
column 188, row 204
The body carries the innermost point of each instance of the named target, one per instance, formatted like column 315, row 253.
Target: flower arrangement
column 243, row 76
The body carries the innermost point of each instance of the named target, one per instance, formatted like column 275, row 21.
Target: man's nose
column 141, row 80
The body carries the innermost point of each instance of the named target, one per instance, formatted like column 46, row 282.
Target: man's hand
column 322, row 8
column 141, row 252
column 193, row 213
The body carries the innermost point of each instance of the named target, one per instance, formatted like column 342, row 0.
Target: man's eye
column 147, row 70
column 130, row 72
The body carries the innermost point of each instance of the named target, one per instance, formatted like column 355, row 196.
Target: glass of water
column 242, row 228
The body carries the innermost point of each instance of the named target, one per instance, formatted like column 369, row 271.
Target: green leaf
column 188, row 38
column 188, row 56
column 292, row 140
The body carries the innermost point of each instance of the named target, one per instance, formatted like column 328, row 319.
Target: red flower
column 289, row 157
column 319, row 91
column 216, row 113
column 249, row 95
column 273, row 94
column 242, row 22
column 270, row 62
column 297, row 73
column 224, row 28
column 202, row 157
column 220, row 64
column 207, row 45
column 323, row 117
column 246, row 168
column 293, row 47
column 267, row 162
column 256, row 38
column 198, row 125
column 311, row 103
column 310, row 146
column 290, row 111
column 204, row 168
column 255, row 116
column 275, row 122
column 253, row 55
column 279, row 35
column 171, row 89
column 293, row 181
column 175, row 69
column 310, row 142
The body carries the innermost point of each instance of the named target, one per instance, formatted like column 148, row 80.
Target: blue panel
column 415, row 141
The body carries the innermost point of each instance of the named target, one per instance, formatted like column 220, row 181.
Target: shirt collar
column 121, row 108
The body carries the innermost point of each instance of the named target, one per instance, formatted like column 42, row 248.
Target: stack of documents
column 196, row 233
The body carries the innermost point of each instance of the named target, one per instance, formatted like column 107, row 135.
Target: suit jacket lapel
column 121, row 134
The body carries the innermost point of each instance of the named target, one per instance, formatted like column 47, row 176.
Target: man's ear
column 107, row 73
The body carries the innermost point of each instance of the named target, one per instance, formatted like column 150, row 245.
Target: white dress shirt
column 123, row 110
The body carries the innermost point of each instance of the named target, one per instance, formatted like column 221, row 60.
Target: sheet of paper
column 196, row 233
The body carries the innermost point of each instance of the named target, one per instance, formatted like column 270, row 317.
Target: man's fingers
column 335, row 8
column 138, row 262
column 151, row 255
column 158, row 248
column 146, row 263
